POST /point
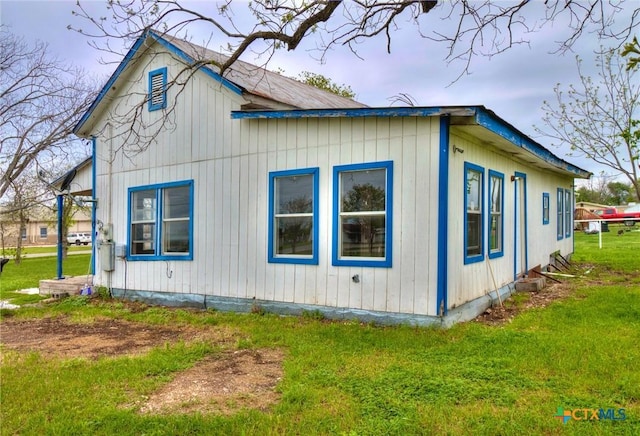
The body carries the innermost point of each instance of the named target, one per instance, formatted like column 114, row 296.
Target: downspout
column 60, row 198
column 443, row 215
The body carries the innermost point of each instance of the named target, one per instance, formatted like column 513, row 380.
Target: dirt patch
column 59, row 337
column 499, row 315
column 223, row 383
column 235, row 380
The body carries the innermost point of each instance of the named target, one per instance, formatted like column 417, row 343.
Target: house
column 257, row 190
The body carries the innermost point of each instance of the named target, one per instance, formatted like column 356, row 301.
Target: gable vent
column 157, row 90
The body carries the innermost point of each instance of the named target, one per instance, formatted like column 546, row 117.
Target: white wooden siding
column 467, row 282
column 229, row 162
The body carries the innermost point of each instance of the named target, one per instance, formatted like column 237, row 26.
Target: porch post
column 60, row 241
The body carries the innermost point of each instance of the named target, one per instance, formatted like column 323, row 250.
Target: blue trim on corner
column 442, row 306
column 522, row 176
column 292, row 259
column 158, row 72
column 477, row 257
column 568, row 218
column 94, row 205
column 387, row 260
column 498, row 252
column 158, row 221
column 60, row 200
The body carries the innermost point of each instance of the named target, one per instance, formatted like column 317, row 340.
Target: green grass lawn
column 31, row 270
column 358, row 379
column 49, row 249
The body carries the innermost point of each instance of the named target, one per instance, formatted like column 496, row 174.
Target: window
column 560, row 213
column 43, row 232
column 473, row 195
column 568, row 208
column 362, row 214
column 160, row 222
column 158, row 89
column 496, row 202
column 23, row 234
column 545, row 208
column 293, row 216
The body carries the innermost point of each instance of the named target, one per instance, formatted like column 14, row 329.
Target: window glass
column 495, row 210
column 473, row 200
column 43, row 232
column 362, row 214
column 362, row 221
column 143, row 222
column 560, row 213
column 545, row 208
column 169, row 237
column 175, row 225
column 294, row 215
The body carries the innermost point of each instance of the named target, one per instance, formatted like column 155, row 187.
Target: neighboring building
column 266, row 192
column 41, row 229
column 591, row 207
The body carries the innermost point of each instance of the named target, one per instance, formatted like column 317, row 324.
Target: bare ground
column 501, row 314
column 223, row 383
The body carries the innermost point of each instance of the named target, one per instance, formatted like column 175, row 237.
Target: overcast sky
column 513, row 84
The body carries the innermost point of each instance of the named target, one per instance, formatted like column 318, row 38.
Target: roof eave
column 126, row 61
column 490, row 121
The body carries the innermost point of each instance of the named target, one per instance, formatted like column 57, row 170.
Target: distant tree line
column 612, row 193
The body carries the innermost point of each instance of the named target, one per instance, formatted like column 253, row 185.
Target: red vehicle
column 628, row 217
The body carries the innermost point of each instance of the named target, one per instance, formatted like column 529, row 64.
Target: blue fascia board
column 493, row 123
column 125, row 63
column 348, row 113
column 114, row 77
column 188, row 59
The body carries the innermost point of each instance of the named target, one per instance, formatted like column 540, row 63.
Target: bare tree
column 28, row 196
column 478, row 27
column 41, row 99
column 594, row 117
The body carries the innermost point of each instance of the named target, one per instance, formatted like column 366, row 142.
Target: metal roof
column 260, row 82
column 261, row 88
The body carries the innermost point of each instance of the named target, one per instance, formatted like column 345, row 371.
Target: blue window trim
column 386, row 261
column 160, row 71
column 43, row 232
column 158, row 221
column 568, row 216
column 496, row 253
column 546, row 208
column 477, row 257
column 560, row 213
column 305, row 260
